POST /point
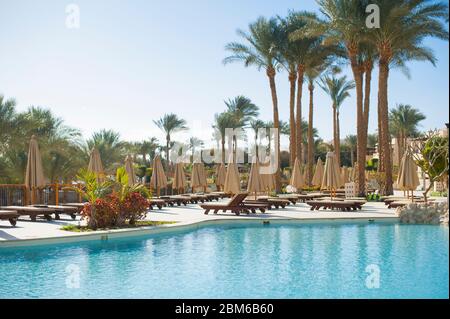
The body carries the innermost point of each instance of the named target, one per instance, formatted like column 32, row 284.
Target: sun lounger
column 335, row 205
column 160, row 203
column 10, row 215
column 307, row 197
column 72, row 211
column 32, row 212
column 176, row 200
column 221, row 194
column 292, row 198
column 236, row 205
column 274, row 202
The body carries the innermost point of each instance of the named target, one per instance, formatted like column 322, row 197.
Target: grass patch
column 142, row 223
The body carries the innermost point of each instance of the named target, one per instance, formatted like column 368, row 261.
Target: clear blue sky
column 132, row 61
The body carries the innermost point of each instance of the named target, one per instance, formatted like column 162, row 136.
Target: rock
column 431, row 213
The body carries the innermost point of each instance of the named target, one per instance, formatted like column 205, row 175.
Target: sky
column 130, row 62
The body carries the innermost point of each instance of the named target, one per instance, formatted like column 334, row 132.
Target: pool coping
column 179, row 226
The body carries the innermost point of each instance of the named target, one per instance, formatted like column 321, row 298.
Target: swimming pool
column 245, row 260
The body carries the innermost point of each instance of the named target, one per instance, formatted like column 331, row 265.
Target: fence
column 52, row 194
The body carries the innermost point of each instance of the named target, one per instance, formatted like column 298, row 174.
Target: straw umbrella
column 255, row 182
column 331, row 177
column 198, row 176
column 179, row 180
column 159, row 179
column 129, row 167
column 232, row 183
column 269, row 181
column 408, row 179
column 95, row 164
column 318, row 174
column 221, row 172
column 34, row 176
column 297, row 180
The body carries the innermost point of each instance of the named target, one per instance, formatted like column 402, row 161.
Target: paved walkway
column 191, row 214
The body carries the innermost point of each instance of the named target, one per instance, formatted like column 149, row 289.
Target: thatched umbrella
column 34, row 176
column 198, row 179
column 255, row 182
column 331, row 177
column 297, row 180
column 129, row 168
column 179, row 180
column 318, row 173
column 221, row 172
column 159, row 179
column 269, row 180
column 95, row 164
column 408, row 180
column 232, row 183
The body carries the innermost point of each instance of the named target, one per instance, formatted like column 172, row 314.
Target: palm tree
column 351, row 141
column 260, row 50
column 338, row 90
column 223, row 121
column 242, row 110
column 7, row 118
column 147, row 149
column 110, row 147
column 193, row 143
column 345, row 23
column 256, row 126
column 404, row 25
column 403, row 122
column 170, row 124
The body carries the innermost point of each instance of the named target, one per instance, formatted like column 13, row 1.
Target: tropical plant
column 404, row 25
column 260, row 50
column 403, row 123
column 193, row 143
column 431, row 154
column 351, row 141
column 170, row 124
column 338, row 90
column 223, row 121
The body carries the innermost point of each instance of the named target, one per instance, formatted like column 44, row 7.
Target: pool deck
column 27, row 232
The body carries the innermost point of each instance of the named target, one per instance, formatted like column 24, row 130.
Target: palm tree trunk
column 276, row 123
column 358, row 76
column 338, row 139
column 298, row 124
column 366, row 110
column 335, row 146
column 310, row 134
column 352, row 156
column 223, row 149
column 384, row 109
column 292, row 139
column 167, row 152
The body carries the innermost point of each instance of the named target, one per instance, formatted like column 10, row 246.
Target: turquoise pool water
column 240, row 261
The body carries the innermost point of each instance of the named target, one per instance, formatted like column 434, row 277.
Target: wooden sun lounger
column 160, row 203
column 221, row 194
column 176, row 200
column 307, row 197
column 335, row 205
column 72, row 211
column 271, row 202
column 32, row 212
column 292, row 198
column 236, row 205
column 10, row 215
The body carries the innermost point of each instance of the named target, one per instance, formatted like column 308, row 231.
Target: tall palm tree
column 260, row 50
column 242, row 110
column 110, row 147
column 223, row 121
column 403, row 27
column 256, row 126
column 351, row 141
column 170, row 124
column 345, row 23
column 403, row 122
column 193, row 143
column 338, row 90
